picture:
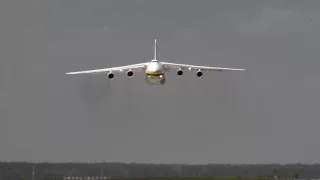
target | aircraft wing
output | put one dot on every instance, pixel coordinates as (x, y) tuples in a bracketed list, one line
[(134, 67), (170, 66)]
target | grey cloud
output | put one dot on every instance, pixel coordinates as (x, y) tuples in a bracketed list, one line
[(272, 21), (268, 114)]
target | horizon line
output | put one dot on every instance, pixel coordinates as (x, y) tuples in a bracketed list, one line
[(153, 163)]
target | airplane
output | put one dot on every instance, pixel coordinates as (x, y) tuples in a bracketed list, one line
[(155, 70)]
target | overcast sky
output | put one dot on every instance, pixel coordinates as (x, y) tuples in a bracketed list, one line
[(267, 114)]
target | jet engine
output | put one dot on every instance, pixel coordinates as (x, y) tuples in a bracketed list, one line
[(199, 74), (110, 75), (180, 72), (130, 73)]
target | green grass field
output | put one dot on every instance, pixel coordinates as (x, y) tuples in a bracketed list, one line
[(198, 178)]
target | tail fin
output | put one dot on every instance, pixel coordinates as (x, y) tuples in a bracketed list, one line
[(155, 49)]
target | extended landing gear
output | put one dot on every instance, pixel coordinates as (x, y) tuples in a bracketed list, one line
[(163, 81), (155, 79)]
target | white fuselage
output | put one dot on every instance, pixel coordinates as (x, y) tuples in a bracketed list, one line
[(155, 73)]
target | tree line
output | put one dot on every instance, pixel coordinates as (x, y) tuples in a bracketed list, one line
[(23, 170)]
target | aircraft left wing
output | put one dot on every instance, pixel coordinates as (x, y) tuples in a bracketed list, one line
[(169, 66), (134, 67)]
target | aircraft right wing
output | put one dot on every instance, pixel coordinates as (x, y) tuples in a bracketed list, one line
[(134, 68), (170, 66)]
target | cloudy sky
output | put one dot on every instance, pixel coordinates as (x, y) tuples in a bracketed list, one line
[(267, 114)]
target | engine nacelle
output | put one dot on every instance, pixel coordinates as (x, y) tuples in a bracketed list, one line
[(199, 74), (130, 73), (111, 75), (180, 72)]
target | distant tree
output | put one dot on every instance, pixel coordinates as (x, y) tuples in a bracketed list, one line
[(285, 175), (204, 172), (274, 172), (135, 170)]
